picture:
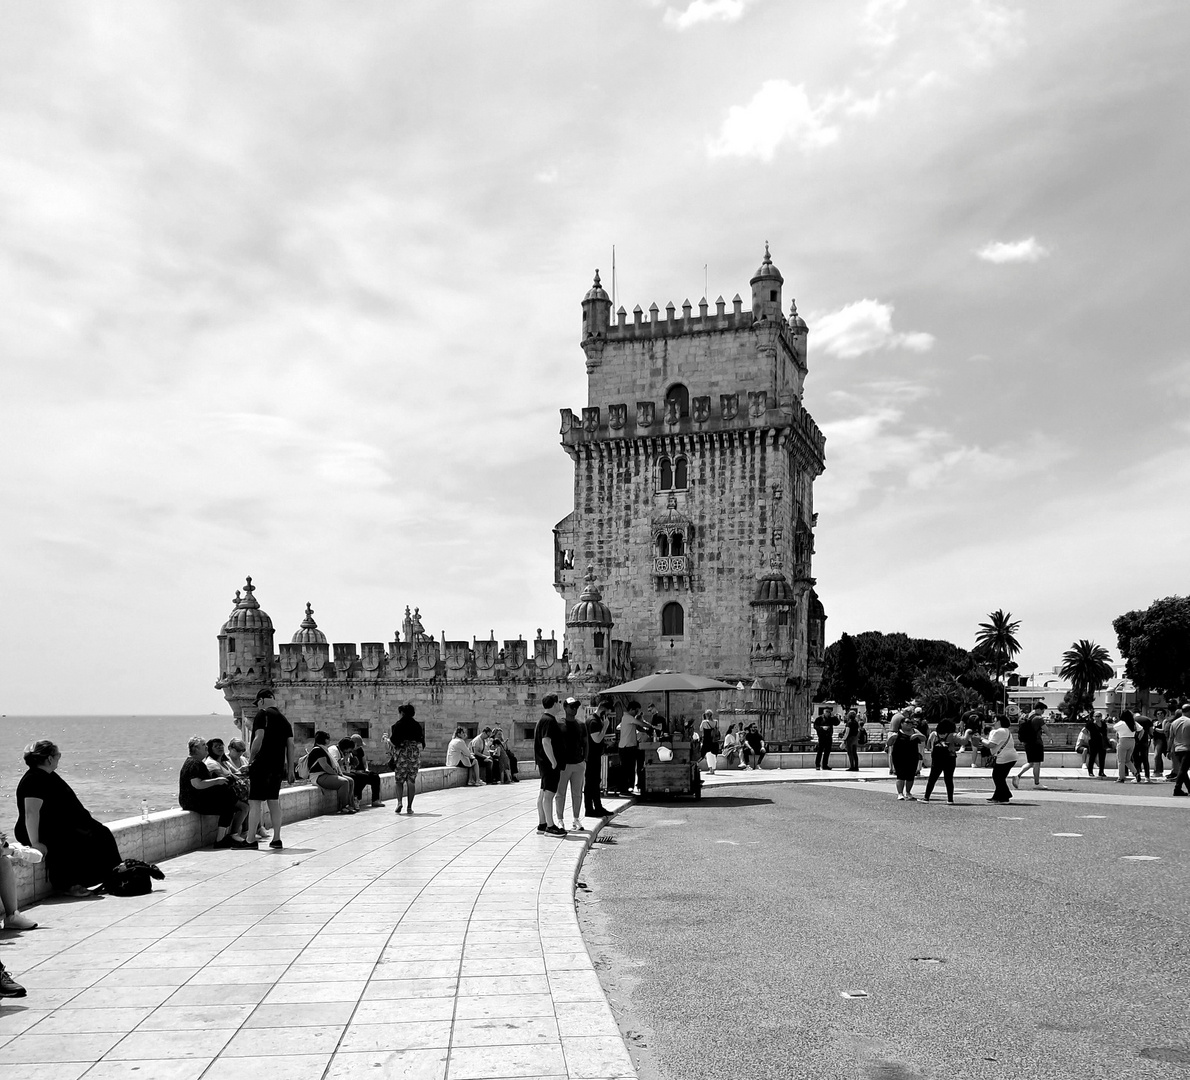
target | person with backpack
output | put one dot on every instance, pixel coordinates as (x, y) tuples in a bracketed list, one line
[(851, 739), (270, 760), (943, 745), (1029, 732)]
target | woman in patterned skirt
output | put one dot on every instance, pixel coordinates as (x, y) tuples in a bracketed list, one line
[(408, 739)]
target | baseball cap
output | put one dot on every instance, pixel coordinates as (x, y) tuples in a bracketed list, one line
[(571, 701)]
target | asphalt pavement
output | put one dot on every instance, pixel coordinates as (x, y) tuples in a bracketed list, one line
[(826, 930)]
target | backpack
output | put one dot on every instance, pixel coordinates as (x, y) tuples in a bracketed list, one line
[(302, 768), (131, 878)]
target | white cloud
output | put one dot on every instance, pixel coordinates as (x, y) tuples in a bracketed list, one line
[(701, 11), (547, 176), (880, 22), (863, 327), (1013, 251), (779, 111)]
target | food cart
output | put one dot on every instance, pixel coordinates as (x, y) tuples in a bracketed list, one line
[(679, 775)]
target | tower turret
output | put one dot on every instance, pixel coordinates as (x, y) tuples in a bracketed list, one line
[(245, 651), (774, 608), (766, 289), (589, 633), (597, 317)]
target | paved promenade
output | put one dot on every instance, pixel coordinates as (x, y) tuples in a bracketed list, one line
[(443, 945), (440, 946)]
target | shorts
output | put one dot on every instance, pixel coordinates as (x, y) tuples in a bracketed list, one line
[(262, 786), (549, 776), (1034, 752)]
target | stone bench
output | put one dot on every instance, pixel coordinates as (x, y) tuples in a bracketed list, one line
[(173, 832)]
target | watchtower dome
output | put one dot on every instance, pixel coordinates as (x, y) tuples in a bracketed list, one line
[(766, 290), (589, 632)]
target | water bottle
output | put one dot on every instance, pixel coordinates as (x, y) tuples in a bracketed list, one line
[(144, 809)]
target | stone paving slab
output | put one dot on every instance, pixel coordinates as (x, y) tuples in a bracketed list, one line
[(438, 946)]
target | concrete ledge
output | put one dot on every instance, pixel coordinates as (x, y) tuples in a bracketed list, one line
[(174, 832), (1058, 759)]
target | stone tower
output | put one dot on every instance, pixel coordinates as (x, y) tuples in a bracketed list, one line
[(694, 465), (245, 651)]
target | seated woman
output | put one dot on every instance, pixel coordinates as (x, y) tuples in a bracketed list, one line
[(202, 792), (327, 776), (79, 851), (501, 767), (238, 764), (353, 762), (731, 747)]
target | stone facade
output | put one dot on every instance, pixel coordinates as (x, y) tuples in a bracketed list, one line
[(694, 466)]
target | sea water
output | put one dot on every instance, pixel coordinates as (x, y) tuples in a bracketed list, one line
[(112, 762)]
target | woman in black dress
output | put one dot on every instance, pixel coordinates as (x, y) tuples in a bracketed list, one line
[(79, 851), (905, 755)]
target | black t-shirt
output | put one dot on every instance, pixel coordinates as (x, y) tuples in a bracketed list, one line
[(547, 728), (594, 726), (574, 742), (407, 730), (754, 740), (60, 806), (277, 733), (852, 726), (192, 769)]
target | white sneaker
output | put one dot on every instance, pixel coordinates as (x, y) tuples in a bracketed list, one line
[(575, 826), (17, 921), (23, 855)]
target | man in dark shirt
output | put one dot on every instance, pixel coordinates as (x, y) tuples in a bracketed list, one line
[(851, 740), (573, 760), (754, 748), (824, 728), (597, 729), (270, 762), (547, 743)]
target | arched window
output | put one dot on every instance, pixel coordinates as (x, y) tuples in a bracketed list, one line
[(663, 545), (681, 395), (667, 474), (677, 545), (598, 639), (673, 620), (680, 473)]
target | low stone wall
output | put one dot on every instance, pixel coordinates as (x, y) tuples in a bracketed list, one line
[(175, 832), (874, 760)]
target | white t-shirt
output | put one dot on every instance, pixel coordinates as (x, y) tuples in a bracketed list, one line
[(1123, 731), (1003, 748), (458, 753), (630, 730)]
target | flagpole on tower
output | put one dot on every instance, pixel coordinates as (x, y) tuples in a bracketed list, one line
[(613, 281)]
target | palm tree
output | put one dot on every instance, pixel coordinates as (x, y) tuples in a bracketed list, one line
[(996, 642), (1088, 667)]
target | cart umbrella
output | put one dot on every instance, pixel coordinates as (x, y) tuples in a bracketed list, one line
[(667, 682)]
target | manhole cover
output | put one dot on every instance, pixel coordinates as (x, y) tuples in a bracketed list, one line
[(1175, 1055)]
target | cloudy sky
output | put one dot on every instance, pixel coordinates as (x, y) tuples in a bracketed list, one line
[(292, 290)]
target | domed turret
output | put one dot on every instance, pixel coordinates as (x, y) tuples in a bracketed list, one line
[(773, 589), (590, 609), (597, 311), (247, 615), (766, 289), (308, 633), (796, 322)]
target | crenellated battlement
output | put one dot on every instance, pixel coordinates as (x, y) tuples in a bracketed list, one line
[(648, 419), (676, 322)]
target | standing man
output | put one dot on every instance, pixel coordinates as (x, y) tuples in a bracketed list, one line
[(851, 740), (708, 738), (574, 763), (824, 728), (597, 728), (1179, 739), (1029, 732), (547, 737), (629, 746), (270, 761)]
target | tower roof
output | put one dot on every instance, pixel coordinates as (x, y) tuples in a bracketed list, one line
[(773, 589), (247, 614), (795, 320), (308, 633), (590, 609), (767, 269), (596, 291)]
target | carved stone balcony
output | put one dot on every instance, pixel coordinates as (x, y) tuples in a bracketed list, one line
[(671, 565)]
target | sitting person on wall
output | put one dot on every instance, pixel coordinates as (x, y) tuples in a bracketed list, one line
[(203, 791), (79, 851), (219, 764), (238, 764), (731, 746), (13, 918), (482, 749), (326, 774), (361, 778), (459, 756), (406, 741), (501, 768), (357, 758), (753, 748)]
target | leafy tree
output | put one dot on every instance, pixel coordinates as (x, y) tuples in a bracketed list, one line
[(1155, 645), (1088, 667), (996, 643), (847, 672), (944, 695)]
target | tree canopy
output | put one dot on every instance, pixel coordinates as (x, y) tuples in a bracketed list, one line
[(1088, 667), (996, 643), (1155, 645), (888, 670)]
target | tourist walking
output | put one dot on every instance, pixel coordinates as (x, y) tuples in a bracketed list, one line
[(1030, 733), (203, 791), (851, 740), (1097, 747), (973, 737), (824, 729), (573, 759), (271, 760), (904, 755), (1125, 728), (597, 729), (708, 740), (547, 736), (1003, 754), (1140, 756), (407, 739), (1179, 740), (943, 745), (79, 851)]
